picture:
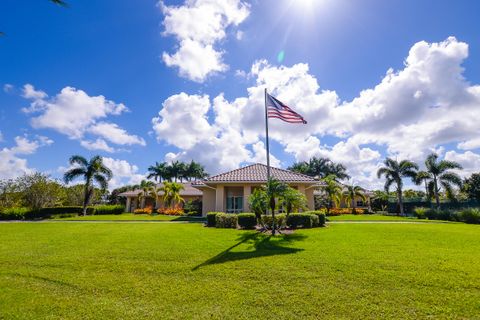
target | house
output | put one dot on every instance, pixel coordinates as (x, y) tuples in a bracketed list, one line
[(189, 193), (229, 191)]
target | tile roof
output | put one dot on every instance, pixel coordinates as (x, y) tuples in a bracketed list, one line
[(258, 173), (188, 191)]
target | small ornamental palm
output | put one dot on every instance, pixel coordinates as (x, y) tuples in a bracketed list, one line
[(333, 191), (172, 193), (394, 173), (91, 171), (258, 202), (144, 186), (351, 193), (293, 200), (275, 189), (440, 176)]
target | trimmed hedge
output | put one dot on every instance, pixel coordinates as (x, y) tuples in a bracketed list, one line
[(109, 209), (224, 220), (305, 220), (247, 220), (45, 213), (280, 220), (322, 219), (13, 213), (211, 220)]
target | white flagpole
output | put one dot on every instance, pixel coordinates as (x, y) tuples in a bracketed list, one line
[(267, 147)]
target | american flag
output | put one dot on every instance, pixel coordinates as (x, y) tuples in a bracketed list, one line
[(276, 109)]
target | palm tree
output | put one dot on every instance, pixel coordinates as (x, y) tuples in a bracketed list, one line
[(333, 191), (275, 189), (382, 197), (194, 170), (145, 187), (425, 177), (320, 168), (394, 172), (91, 171), (258, 202), (441, 176), (351, 193), (153, 192), (176, 170), (172, 193), (293, 200), (158, 171)]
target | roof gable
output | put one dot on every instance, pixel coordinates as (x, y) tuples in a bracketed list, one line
[(258, 173)]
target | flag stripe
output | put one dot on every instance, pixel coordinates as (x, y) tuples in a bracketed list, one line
[(276, 109)]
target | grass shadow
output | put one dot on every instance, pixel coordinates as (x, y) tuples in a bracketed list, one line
[(262, 245), (190, 219)]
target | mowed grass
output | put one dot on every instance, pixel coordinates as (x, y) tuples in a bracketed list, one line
[(370, 217), (131, 217), (183, 271)]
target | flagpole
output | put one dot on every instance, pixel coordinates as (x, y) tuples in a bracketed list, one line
[(267, 147)]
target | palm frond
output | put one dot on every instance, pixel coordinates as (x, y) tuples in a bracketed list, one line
[(73, 173), (445, 165), (101, 180), (78, 160), (451, 178)]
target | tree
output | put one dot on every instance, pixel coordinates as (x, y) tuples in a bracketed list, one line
[(333, 190), (424, 177), (351, 193), (194, 170), (275, 189), (158, 172), (171, 195), (176, 170), (74, 195), (144, 187), (441, 176), (471, 187), (153, 192), (91, 171), (320, 168), (258, 202), (39, 191), (380, 199), (293, 200), (394, 173)]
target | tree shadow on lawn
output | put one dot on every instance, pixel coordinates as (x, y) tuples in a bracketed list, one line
[(263, 246)]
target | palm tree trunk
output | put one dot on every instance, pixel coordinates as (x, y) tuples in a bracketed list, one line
[(400, 200), (272, 207), (437, 198), (88, 194)]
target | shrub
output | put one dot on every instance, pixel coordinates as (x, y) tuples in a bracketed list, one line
[(247, 220), (322, 219), (280, 220), (109, 209), (340, 211), (211, 222), (13, 213), (175, 211), (46, 213), (305, 220), (421, 212), (147, 210), (471, 216), (224, 220)]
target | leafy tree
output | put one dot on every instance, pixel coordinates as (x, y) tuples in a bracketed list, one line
[(320, 168), (471, 187), (171, 195), (39, 191), (275, 189), (333, 191), (10, 194), (394, 173), (351, 193), (91, 171), (74, 195), (293, 200), (153, 192), (258, 202), (440, 176)]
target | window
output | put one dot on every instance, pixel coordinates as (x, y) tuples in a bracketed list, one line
[(360, 203), (234, 204)]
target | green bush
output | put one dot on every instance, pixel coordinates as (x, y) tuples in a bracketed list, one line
[(247, 220), (471, 216), (280, 220), (13, 213), (211, 221), (109, 209), (224, 220), (421, 212), (322, 219), (305, 220)]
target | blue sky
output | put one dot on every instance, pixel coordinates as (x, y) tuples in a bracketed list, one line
[(203, 64)]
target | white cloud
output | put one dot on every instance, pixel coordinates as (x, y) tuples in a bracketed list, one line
[(98, 144), (12, 164), (123, 172), (199, 25), (410, 113), (469, 160), (75, 114)]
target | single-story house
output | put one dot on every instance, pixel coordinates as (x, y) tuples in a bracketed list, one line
[(133, 202), (229, 191)]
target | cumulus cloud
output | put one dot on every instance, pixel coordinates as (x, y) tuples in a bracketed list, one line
[(412, 111), (123, 172), (74, 113), (12, 160), (198, 26)]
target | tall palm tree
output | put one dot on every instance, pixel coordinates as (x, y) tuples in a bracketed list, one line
[(441, 176), (172, 193), (194, 170), (424, 177), (351, 193), (157, 171), (333, 191), (91, 171), (275, 189), (293, 200), (145, 187), (320, 168), (394, 173), (176, 170)]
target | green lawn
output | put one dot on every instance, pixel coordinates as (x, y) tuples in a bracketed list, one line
[(370, 217), (131, 217), (177, 271)]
